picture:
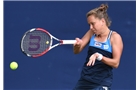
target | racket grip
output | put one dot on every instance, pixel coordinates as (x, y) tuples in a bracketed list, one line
[(69, 41)]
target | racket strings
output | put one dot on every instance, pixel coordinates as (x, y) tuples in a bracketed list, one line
[(36, 42)]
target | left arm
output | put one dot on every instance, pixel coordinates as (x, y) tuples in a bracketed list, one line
[(117, 48)]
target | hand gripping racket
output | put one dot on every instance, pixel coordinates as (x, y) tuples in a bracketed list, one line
[(38, 41)]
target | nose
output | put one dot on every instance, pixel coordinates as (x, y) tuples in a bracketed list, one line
[(91, 27)]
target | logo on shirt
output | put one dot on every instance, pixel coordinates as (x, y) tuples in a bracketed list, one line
[(97, 44), (106, 46)]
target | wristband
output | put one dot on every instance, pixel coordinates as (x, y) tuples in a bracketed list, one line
[(100, 57)]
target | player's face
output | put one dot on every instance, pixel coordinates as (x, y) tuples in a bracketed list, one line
[(95, 24)]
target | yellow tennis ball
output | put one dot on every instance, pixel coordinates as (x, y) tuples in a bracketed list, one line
[(47, 42), (13, 65)]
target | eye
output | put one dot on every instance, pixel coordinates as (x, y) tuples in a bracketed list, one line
[(92, 23)]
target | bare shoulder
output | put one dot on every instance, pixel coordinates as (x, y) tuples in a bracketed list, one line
[(88, 34), (116, 38)]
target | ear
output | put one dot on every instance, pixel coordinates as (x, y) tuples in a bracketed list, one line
[(103, 21)]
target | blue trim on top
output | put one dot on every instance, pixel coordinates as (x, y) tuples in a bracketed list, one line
[(102, 45)]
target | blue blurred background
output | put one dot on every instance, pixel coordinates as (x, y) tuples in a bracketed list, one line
[(60, 68)]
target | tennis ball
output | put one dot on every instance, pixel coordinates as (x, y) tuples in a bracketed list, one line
[(47, 42), (13, 65)]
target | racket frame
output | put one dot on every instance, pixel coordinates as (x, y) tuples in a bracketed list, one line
[(60, 42)]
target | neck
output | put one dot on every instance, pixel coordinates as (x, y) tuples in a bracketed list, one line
[(104, 32)]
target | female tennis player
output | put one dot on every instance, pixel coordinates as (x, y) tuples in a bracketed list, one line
[(104, 52)]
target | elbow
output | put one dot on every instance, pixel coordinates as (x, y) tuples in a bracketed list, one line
[(116, 65)]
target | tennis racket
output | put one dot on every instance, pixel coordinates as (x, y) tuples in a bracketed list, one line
[(38, 41)]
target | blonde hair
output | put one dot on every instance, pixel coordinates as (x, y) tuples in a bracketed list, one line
[(100, 12)]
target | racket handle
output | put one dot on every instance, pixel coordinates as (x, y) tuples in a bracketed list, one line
[(69, 41)]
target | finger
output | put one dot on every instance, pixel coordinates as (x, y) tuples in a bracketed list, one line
[(93, 62), (77, 42), (89, 63), (77, 39)]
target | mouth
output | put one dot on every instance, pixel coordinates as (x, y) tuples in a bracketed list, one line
[(94, 31)]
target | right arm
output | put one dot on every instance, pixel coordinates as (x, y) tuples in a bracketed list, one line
[(81, 43)]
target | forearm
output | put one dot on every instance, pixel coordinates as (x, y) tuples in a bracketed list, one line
[(81, 43), (111, 62)]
